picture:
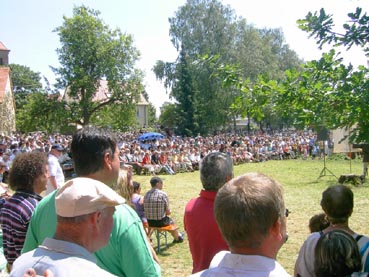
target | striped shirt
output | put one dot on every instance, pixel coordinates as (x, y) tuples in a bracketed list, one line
[(14, 219), (156, 204)]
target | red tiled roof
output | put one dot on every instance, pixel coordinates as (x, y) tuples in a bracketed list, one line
[(2, 47), (4, 77)]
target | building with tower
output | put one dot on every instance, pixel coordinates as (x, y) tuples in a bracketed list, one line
[(7, 104)]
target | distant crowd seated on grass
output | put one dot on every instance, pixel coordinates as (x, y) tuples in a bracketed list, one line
[(175, 154)]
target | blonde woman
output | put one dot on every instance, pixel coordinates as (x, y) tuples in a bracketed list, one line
[(124, 185)]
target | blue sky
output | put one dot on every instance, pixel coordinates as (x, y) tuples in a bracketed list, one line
[(27, 28)]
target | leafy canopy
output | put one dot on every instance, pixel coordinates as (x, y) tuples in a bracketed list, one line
[(91, 52)]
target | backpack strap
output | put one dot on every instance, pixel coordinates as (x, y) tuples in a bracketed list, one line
[(362, 252)]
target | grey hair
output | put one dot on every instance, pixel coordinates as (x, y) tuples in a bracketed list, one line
[(215, 170)]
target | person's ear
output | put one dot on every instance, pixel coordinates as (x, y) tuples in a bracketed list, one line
[(350, 213), (276, 230), (96, 219), (108, 160)]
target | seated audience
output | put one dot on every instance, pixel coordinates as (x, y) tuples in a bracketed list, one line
[(95, 155), (336, 254), (204, 237), (28, 178), (124, 185), (163, 160), (337, 203), (318, 222), (157, 209), (84, 209), (254, 230), (147, 163), (138, 201)]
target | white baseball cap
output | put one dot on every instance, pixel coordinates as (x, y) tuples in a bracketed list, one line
[(81, 196)]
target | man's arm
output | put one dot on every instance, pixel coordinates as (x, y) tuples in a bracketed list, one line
[(53, 182), (42, 224), (167, 209)]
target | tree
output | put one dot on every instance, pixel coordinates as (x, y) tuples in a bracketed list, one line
[(184, 92), (25, 81), (168, 115), (206, 28), (90, 52), (200, 27), (152, 115), (333, 92), (41, 112), (118, 116)]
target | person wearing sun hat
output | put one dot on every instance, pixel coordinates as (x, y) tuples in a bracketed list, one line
[(84, 209)]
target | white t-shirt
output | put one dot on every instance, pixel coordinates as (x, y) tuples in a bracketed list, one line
[(227, 264), (305, 261), (56, 171)]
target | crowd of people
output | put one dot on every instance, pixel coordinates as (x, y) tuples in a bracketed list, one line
[(72, 230), (174, 154)]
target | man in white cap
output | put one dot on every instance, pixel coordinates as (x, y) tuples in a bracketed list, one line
[(96, 155), (85, 209), (56, 174)]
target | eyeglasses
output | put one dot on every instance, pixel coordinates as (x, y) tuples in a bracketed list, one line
[(287, 212)]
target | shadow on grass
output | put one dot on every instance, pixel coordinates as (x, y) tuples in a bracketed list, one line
[(164, 249)]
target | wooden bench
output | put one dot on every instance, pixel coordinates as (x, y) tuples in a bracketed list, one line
[(161, 232)]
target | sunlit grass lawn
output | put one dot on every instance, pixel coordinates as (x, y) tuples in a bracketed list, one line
[(302, 189)]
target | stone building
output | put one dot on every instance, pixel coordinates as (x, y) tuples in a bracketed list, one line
[(7, 104)]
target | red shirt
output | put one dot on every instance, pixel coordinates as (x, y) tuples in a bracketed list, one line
[(202, 230), (146, 160)]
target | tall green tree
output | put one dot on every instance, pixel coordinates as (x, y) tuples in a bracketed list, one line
[(25, 81), (206, 28), (90, 52), (41, 112), (168, 115), (184, 91), (200, 27), (332, 93)]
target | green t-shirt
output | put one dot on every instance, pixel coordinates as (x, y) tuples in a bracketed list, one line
[(128, 252)]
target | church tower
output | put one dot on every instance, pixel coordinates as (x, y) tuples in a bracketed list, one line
[(4, 55)]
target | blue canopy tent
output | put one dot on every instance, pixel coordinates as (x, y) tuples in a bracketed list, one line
[(150, 136)]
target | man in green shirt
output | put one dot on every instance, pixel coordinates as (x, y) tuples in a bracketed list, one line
[(96, 155)]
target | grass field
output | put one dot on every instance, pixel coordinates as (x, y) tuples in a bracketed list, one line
[(302, 189)]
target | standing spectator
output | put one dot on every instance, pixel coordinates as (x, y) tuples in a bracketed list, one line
[(203, 233), (157, 209), (254, 230), (56, 178), (84, 209), (337, 203), (96, 155), (28, 177)]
